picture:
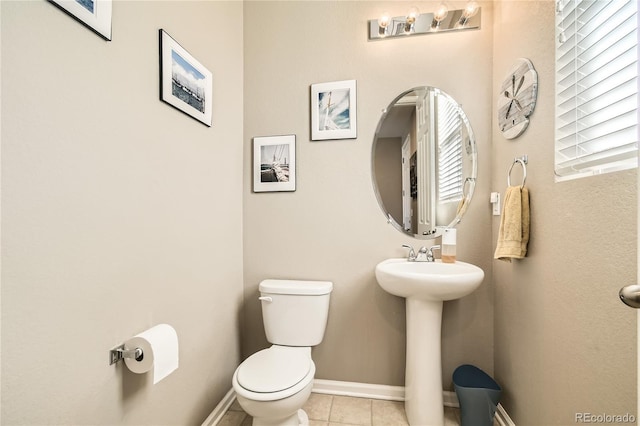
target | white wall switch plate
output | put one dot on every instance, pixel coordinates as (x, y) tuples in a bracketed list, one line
[(495, 200)]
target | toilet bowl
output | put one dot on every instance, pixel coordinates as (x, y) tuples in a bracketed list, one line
[(273, 384)]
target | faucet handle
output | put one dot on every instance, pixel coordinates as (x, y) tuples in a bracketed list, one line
[(430, 257), (412, 253)]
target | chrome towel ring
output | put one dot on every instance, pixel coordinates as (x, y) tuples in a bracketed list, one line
[(523, 162)]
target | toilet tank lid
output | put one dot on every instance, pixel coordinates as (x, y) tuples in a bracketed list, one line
[(296, 287)]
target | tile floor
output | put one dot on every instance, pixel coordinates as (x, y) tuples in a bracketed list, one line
[(333, 410)]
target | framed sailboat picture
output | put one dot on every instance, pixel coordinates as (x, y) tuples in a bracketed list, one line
[(274, 163), (333, 110), (185, 83)]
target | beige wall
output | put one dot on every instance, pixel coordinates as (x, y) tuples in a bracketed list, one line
[(331, 227), (563, 341), (114, 217), (118, 213)]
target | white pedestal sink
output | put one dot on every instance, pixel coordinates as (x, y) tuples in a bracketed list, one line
[(426, 285)]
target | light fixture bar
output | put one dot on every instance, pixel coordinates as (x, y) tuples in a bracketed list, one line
[(424, 24)]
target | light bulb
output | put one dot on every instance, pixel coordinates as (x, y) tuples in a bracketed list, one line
[(440, 13), (438, 16), (383, 23), (412, 15), (384, 20), (470, 10)]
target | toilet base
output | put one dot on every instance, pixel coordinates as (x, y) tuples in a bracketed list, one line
[(303, 419), (296, 419)]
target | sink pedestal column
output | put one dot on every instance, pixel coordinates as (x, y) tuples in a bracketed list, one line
[(423, 378)]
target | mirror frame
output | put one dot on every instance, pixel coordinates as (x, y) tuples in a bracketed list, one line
[(468, 186)]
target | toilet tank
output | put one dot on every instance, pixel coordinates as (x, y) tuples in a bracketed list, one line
[(295, 312)]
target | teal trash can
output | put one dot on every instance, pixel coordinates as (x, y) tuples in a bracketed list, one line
[(478, 395)]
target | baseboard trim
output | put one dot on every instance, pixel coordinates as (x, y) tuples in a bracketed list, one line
[(358, 390), (369, 390), (502, 417), (216, 415)]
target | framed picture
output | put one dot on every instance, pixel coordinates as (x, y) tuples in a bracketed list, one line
[(274, 163), (95, 14), (333, 110), (184, 82)]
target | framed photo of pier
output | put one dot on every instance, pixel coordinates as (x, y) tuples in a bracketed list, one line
[(184, 82), (274, 163), (95, 14), (333, 110)]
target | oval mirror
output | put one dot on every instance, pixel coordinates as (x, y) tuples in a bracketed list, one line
[(424, 162)]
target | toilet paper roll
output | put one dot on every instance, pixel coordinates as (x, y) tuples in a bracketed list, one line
[(159, 346)]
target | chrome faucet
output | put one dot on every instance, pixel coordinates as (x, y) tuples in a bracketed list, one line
[(424, 254)]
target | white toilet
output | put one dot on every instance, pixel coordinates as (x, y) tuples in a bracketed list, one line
[(273, 384)]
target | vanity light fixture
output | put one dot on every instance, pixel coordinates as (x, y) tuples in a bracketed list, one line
[(414, 22)]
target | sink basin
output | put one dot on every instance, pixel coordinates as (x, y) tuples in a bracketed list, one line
[(435, 281), (426, 285)]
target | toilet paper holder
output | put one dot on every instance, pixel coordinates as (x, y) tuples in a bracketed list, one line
[(118, 353)]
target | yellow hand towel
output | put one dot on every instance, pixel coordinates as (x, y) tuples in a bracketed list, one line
[(513, 235)]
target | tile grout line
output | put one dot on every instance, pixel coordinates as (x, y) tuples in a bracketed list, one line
[(330, 409)]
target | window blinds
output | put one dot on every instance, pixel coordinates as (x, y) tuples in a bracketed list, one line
[(596, 87), (449, 151)]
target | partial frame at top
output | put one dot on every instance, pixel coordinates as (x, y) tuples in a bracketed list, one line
[(94, 14)]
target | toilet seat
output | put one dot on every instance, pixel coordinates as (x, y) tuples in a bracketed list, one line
[(274, 369), (274, 373)]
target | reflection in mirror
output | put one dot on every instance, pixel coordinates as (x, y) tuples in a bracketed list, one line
[(424, 162)]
